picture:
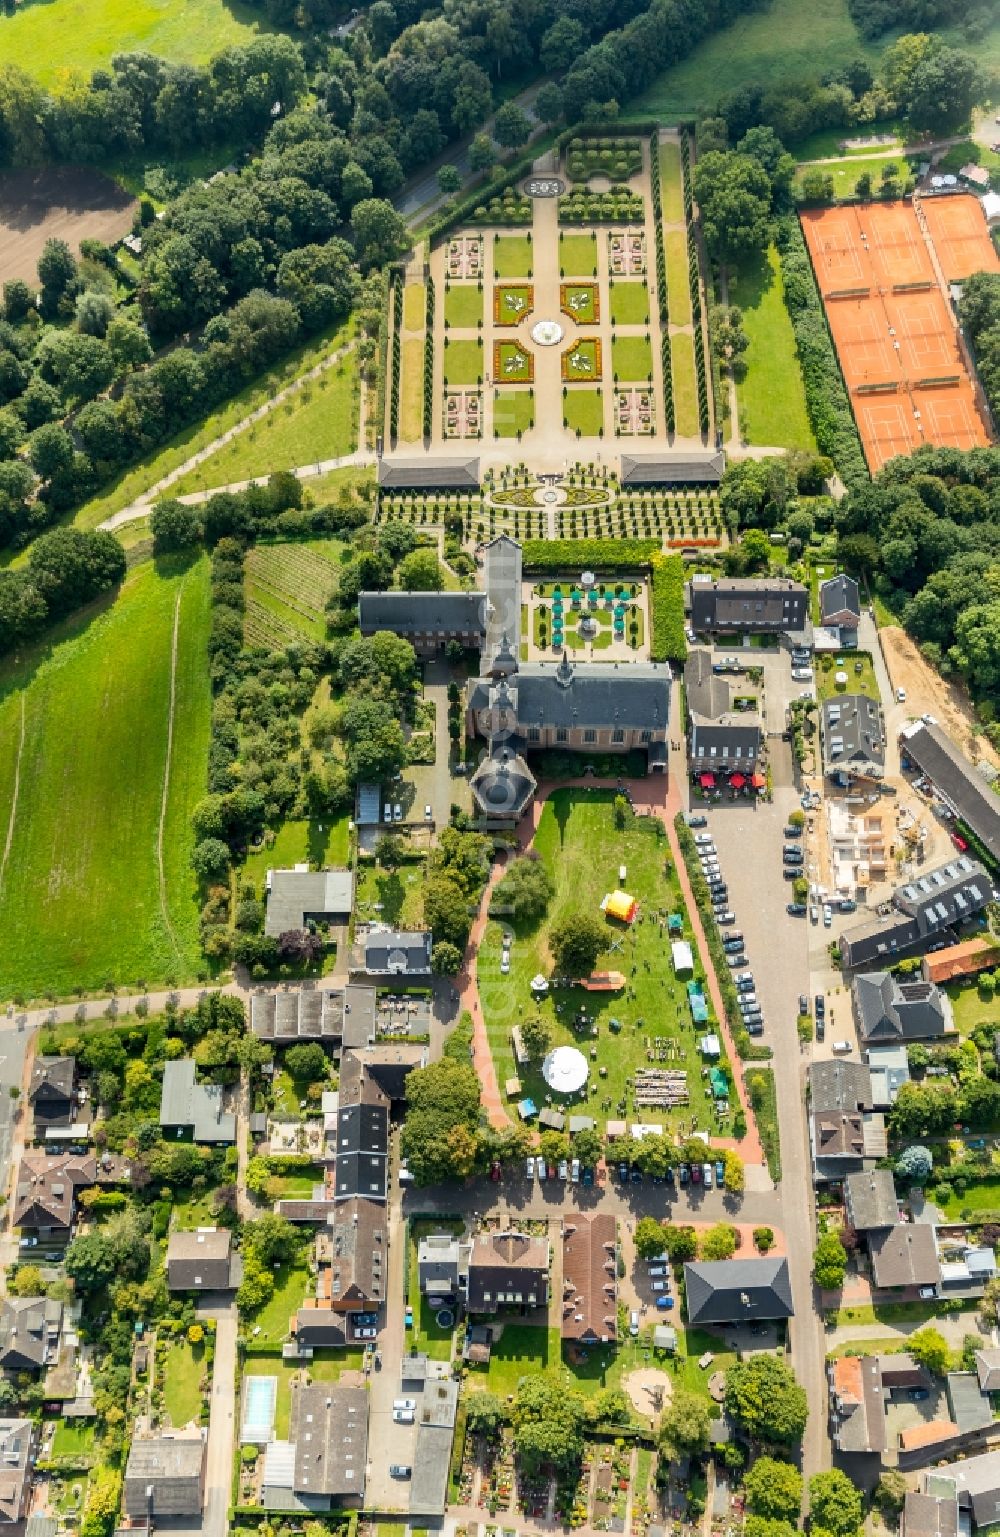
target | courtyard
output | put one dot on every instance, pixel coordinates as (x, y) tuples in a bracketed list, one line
[(608, 618)]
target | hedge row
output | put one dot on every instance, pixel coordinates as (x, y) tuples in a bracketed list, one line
[(397, 326), (661, 281), (827, 400), (429, 362), (686, 176), (542, 555), (666, 602), (581, 207)]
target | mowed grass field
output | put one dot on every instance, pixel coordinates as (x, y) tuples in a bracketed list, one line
[(318, 422), (52, 40), (411, 390), (772, 400), (685, 383), (80, 898)]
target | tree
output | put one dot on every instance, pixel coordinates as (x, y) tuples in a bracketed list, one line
[(890, 1491), (26, 1282), (210, 861), (536, 1033), (944, 88), (684, 1425), (755, 548), (575, 942), (174, 526), (650, 1239), (449, 179), (18, 299), (90, 1261), (561, 45), (440, 1135), (549, 1421), (774, 1489), (829, 1262), (482, 155), (51, 451), (421, 571), (763, 1396), (378, 757), (94, 311), (525, 891), (588, 1147), (389, 850), (307, 1062), (128, 343), (735, 1175), (56, 271), (835, 1504), (272, 1239), (931, 1349), (734, 195), (681, 1242), (195, 1334), (550, 103), (915, 1164), (446, 910), (379, 232), (719, 1242), (485, 1415), (511, 126), (446, 959), (763, 1238)]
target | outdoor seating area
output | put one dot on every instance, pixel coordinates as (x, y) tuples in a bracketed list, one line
[(627, 253), (634, 413), (402, 1016), (659, 1086), (464, 256), (463, 414)]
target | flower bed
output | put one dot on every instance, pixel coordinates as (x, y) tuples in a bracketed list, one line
[(512, 364), (512, 303), (581, 363), (581, 302)]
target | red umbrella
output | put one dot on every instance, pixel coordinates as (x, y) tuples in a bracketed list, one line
[(758, 781), (737, 781), (707, 781)]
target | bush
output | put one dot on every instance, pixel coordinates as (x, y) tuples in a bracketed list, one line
[(545, 555), (667, 642)]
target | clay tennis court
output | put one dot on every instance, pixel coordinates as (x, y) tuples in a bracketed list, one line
[(960, 235), (893, 329)]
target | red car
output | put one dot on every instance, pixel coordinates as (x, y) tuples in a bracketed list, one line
[(495, 1173), (959, 843)]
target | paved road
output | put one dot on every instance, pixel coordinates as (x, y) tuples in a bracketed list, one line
[(221, 1426), (387, 1442), (17, 1048)]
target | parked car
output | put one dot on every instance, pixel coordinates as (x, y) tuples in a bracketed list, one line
[(827, 915), (684, 1173), (706, 1175), (791, 855), (428, 814), (623, 1173), (633, 1325), (403, 1416), (819, 1004), (813, 913), (541, 1169), (664, 1303), (847, 905), (724, 917), (563, 1168), (744, 984), (397, 812), (637, 1176), (587, 1175), (927, 1292), (749, 1004), (404, 1403), (792, 831), (695, 819), (803, 1004), (736, 961), (754, 1026), (791, 872), (408, 1317), (574, 1171), (400, 1470), (720, 1173), (901, 695), (365, 1334), (696, 1174), (732, 946), (843, 1048), (703, 840), (802, 675), (529, 1168), (495, 1171), (796, 909), (657, 1272)]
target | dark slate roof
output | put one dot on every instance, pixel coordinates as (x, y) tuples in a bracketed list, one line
[(330, 1435), (390, 1063), (961, 785), (839, 595), (737, 1290), (362, 1129), (924, 1515), (391, 952), (871, 1200), (164, 1476), (708, 693), (507, 1268), (904, 1255), (200, 1260), (503, 784), (632, 695), (970, 1407), (317, 1328), (853, 734), (195, 1106), (681, 469), (402, 474), (362, 1174), (948, 895), (52, 1079), (839, 1085), (29, 1331), (502, 570), (295, 896), (890, 1009), (748, 602), (359, 1248), (422, 613)]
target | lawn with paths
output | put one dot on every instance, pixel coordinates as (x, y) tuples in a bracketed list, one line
[(861, 681), (463, 305), (583, 412), (685, 384), (182, 1373), (582, 850), (463, 362), (512, 256), (513, 412), (64, 37), (411, 390), (631, 359), (578, 256), (80, 900), (629, 304), (772, 399), (287, 587), (671, 183), (678, 277)]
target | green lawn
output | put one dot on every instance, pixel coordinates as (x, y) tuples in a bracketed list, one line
[(846, 172), (522, 373), (272, 1319), (73, 1438), (287, 587), (629, 304), (513, 412), (578, 256), (414, 307), (427, 1335), (671, 184), (771, 396), (521, 1351), (182, 1373), (463, 304), (134, 482), (883, 1313), (826, 143), (969, 1008), (329, 1365), (511, 303), (398, 892), (193, 1212), (315, 843), (463, 362), (765, 1105), (274, 1366), (52, 41), (981, 1198), (582, 850), (512, 256), (789, 40), (863, 682), (580, 303), (584, 411), (411, 390), (675, 247), (80, 901), (320, 421), (631, 359), (685, 383), (581, 362)]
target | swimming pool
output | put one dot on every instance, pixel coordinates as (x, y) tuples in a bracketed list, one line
[(260, 1397)]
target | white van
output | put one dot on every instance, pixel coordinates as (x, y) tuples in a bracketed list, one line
[(843, 1048), (633, 1325), (574, 1172)]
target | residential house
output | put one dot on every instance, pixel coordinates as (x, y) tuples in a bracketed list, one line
[(857, 1404), (590, 1284), (970, 1408), (390, 1063), (962, 786), (748, 605), (50, 1093), (507, 1270), (904, 1255), (962, 960), (926, 909), (433, 1446), (358, 1249), (890, 1069), (859, 843), (384, 952), (30, 1333), (720, 737), (203, 1260), (925, 1515), (976, 1482), (362, 1137), (324, 1460), (300, 897), (18, 1445), (891, 1008), (165, 1477), (342, 1016), (45, 1191), (840, 607), (988, 1370), (734, 1291), (846, 1135), (189, 1106), (870, 1200), (852, 733), (442, 1267), (965, 1266), (428, 620)]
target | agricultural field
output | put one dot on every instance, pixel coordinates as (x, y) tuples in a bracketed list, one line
[(772, 402), (53, 40), (287, 587), (60, 203), (319, 421), (81, 903)]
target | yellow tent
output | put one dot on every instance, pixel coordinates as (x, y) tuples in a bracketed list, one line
[(618, 904)]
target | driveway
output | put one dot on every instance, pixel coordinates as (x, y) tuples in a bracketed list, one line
[(388, 1442), (221, 1426), (434, 784)]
